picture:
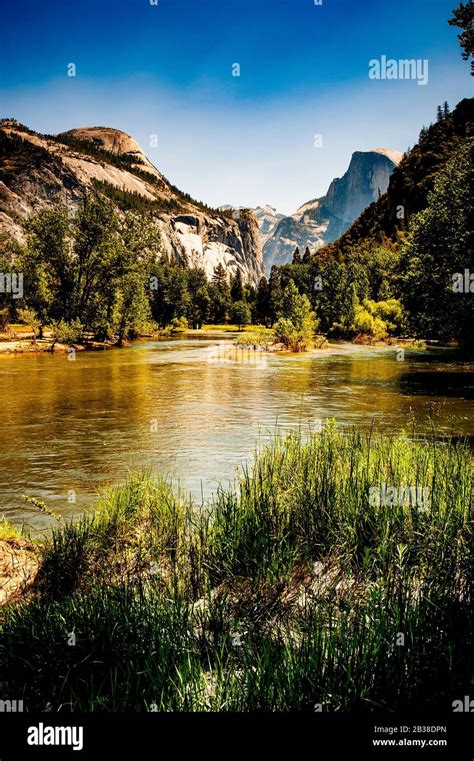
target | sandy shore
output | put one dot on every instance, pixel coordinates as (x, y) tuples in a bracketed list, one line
[(31, 347)]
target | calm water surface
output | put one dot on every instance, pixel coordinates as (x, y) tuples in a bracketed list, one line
[(193, 409)]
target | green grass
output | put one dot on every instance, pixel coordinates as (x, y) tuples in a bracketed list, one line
[(291, 591), (256, 337), (228, 328), (10, 531)]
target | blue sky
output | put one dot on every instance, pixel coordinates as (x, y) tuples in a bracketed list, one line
[(166, 70)]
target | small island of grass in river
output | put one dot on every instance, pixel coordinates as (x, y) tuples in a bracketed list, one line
[(336, 576)]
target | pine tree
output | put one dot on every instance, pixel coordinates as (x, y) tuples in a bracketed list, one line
[(297, 256), (307, 255), (262, 306), (237, 286), (220, 294), (275, 293), (463, 18), (219, 278), (241, 314), (199, 300), (438, 251)]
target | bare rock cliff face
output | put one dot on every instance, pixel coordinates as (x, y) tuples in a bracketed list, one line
[(366, 178), (198, 240), (323, 220), (268, 218), (37, 171)]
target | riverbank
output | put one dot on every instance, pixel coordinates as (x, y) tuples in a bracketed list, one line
[(335, 576), (22, 342), (34, 347)]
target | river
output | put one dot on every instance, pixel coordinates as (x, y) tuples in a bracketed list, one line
[(194, 409)]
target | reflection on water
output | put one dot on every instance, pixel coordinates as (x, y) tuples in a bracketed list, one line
[(70, 427)]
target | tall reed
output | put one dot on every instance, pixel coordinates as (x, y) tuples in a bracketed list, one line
[(297, 590)]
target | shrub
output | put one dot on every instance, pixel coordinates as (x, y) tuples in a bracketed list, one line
[(4, 318), (296, 323), (262, 337), (67, 332), (391, 312), (179, 324), (367, 324), (29, 317), (378, 319)]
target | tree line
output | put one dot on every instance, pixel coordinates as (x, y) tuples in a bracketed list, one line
[(102, 273)]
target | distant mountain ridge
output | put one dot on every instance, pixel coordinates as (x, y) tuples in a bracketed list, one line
[(268, 218), (323, 220)]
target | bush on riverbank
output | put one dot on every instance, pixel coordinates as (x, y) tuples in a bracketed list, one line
[(305, 586)]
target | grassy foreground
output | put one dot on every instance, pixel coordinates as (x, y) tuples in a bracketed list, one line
[(295, 591)]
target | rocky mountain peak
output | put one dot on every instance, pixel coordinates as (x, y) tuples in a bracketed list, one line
[(391, 153), (114, 141), (323, 220)]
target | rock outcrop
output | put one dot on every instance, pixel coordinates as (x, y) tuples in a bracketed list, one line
[(19, 564), (200, 240)]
